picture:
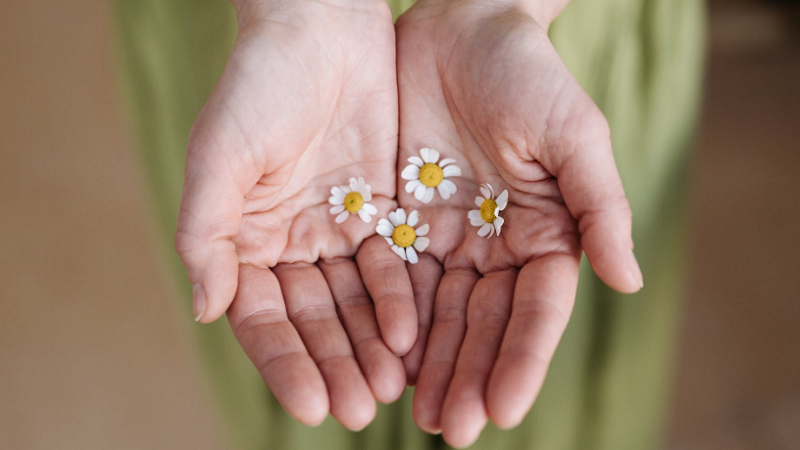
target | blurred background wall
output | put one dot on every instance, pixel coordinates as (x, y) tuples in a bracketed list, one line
[(93, 353)]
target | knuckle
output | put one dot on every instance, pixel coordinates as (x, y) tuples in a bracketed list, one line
[(594, 130), (450, 314), (184, 244)]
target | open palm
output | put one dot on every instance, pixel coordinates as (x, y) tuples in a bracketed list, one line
[(484, 86), (307, 101)]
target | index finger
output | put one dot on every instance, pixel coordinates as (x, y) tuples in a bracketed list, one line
[(543, 300), (260, 323)]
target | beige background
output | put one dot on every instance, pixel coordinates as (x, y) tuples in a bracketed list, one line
[(92, 350)]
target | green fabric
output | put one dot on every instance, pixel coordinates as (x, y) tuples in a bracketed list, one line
[(640, 60)]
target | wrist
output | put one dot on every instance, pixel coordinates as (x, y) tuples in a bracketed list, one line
[(249, 10), (543, 11)]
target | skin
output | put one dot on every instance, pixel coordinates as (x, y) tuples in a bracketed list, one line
[(308, 99), (481, 83)]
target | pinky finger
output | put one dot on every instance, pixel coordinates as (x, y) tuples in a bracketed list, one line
[(386, 279)]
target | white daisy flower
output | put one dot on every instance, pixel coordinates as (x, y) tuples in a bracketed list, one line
[(352, 199), (401, 235), (424, 174), (488, 216)]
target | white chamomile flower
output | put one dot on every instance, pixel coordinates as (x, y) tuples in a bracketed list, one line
[(424, 174), (352, 199), (488, 216), (400, 233)]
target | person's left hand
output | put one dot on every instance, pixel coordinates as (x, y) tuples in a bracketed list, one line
[(484, 86)]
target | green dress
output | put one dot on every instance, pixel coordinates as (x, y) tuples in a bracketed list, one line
[(608, 385)]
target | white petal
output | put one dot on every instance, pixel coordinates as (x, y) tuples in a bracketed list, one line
[(498, 223), (413, 218), (354, 185), (502, 200), (428, 195), (419, 192), (342, 217), (361, 184), (421, 244), (411, 172), (415, 160), (384, 228), (423, 230), (335, 201), (411, 254), (485, 192), (447, 188), (369, 208), (413, 184), (443, 191), (451, 171), (337, 209), (398, 217), (364, 216), (425, 153), (389, 241), (479, 201), (485, 229), (402, 214), (337, 193), (345, 189), (367, 196), (400, 251), (475, 218), (433, 156), (446, 161)]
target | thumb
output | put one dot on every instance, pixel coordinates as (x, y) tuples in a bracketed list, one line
[(210, 215), (592, 190)]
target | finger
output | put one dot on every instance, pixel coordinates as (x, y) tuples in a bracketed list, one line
[(311, 310), (447, 332), (383, 370), (386, 278), (425, 277), (259, 321), (209, 218), (464, 409), (543, 300), (592, 189)]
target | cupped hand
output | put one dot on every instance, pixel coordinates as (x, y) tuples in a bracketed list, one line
[(307, 101), (481, 83)]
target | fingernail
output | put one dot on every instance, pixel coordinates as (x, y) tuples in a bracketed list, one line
[(199, 301), (636, 272)]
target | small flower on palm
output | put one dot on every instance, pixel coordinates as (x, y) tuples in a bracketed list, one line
[(352, 199)]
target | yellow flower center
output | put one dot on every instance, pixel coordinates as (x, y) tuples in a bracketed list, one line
[(404, 236), (487, 210), (431, 175), (353, 202)]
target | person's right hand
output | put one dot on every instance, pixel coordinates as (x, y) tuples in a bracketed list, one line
[(308, 99)]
